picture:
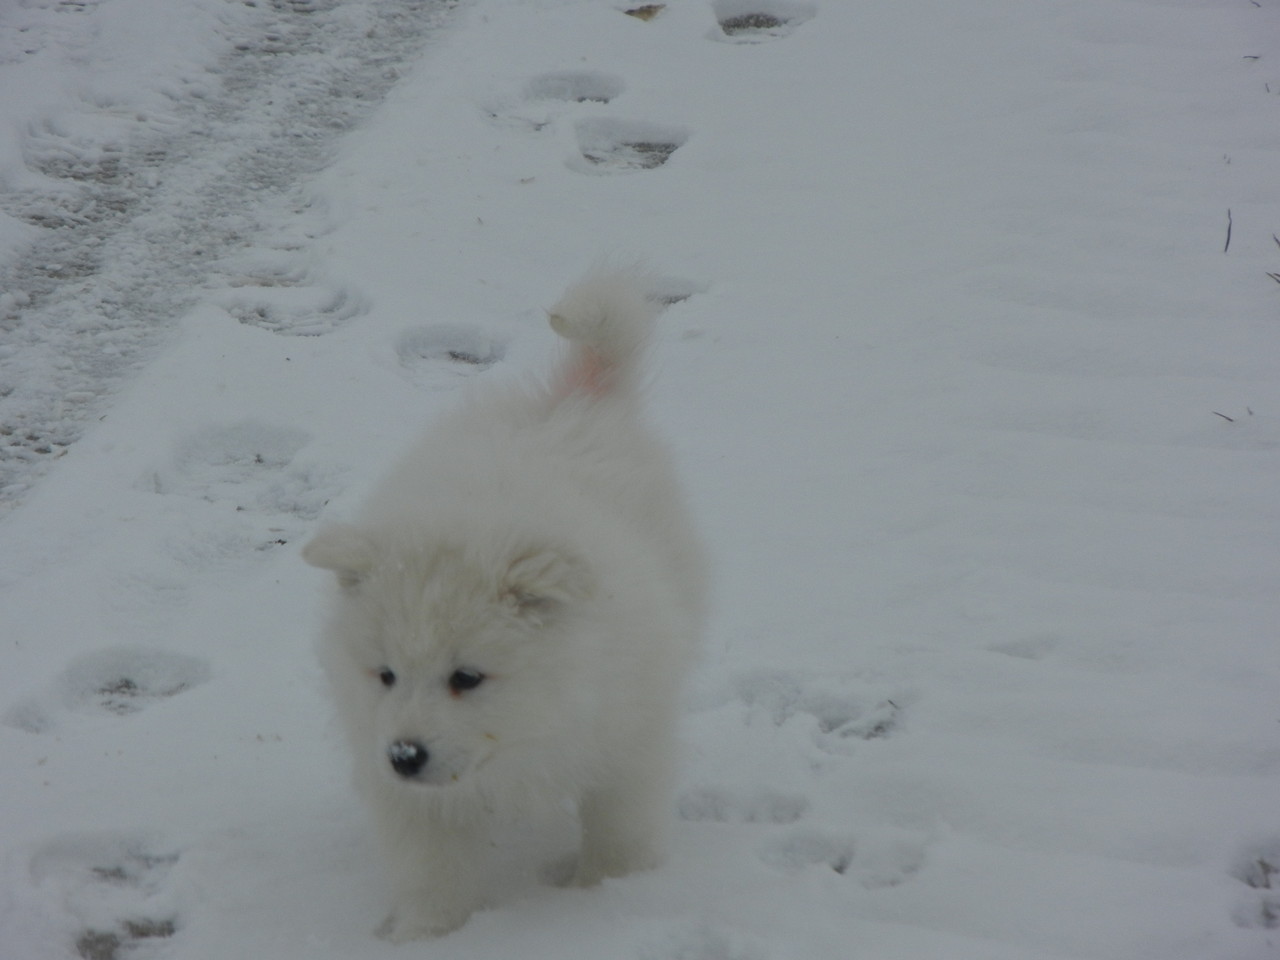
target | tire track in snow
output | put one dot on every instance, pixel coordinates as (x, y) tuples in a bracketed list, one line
[(133, 230)]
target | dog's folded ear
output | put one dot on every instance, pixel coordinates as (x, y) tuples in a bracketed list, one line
[(541, 578), (345, 550)]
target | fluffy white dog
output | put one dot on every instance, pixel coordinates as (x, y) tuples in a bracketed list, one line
[(517, 605)]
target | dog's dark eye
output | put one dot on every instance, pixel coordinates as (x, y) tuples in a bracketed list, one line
[(461, 680), (387, 676)]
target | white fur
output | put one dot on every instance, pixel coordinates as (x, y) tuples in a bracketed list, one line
[(536, 536)]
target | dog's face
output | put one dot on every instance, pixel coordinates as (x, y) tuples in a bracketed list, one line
[(448, 662)]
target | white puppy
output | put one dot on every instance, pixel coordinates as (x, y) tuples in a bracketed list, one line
[(517, 605)]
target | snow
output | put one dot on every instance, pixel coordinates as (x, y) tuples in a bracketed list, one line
[(981, 421)]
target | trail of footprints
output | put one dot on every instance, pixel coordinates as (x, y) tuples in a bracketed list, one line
[(253, 464), (836, 715), (836, 718), (272, 288), (263, 497), (608, 145), (117, 885), (1256, 869)]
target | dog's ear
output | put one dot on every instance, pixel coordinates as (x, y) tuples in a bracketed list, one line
[(542, 578), (343, 549)]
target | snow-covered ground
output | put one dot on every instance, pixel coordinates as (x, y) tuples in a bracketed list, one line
[(973, 367)]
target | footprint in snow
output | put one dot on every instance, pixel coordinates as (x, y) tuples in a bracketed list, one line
[(810, 847), (610, 145), (264, 493), (874, 863), (838, 714), (1259, 869), (667, 291), (605, 144), (272, 285), (452, 348), (756, 21), (115, 891), (290, 310), (116, 681), (249, 463)]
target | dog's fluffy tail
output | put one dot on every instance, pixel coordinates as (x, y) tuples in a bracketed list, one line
[(608, 321)]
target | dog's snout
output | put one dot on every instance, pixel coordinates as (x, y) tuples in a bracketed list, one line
[(407, 757)]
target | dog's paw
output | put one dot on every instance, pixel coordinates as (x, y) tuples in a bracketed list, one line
[(597, 864)]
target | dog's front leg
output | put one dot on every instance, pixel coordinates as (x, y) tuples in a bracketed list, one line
[(622, 830), (435, 869)]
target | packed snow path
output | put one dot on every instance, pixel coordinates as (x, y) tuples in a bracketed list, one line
[(140, 208)]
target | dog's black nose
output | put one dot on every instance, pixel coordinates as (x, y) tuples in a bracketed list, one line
[(407, 757)]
